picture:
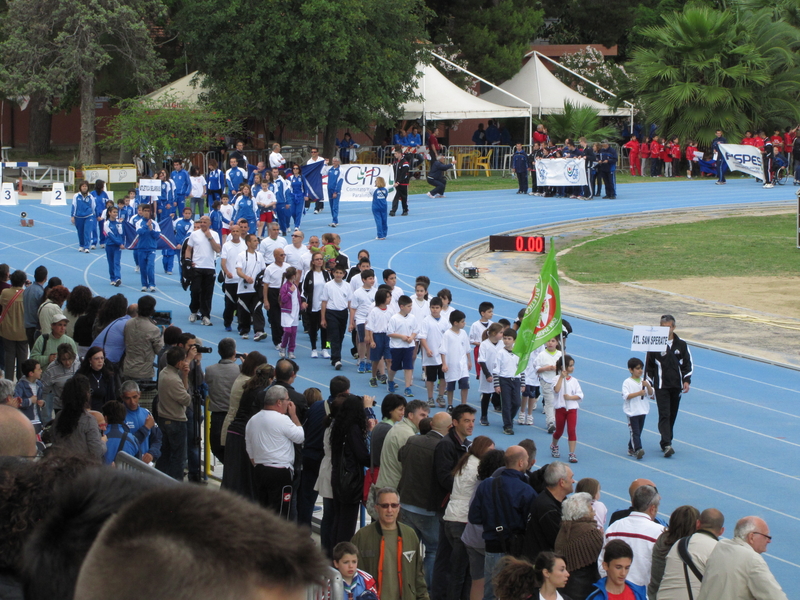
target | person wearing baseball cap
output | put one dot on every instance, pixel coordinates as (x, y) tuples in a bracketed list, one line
[(45, 348)]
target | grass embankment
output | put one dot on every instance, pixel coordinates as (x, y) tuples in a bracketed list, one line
[(730, 247)]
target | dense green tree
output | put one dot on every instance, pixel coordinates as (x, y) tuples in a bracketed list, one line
[(52, 45), (492, 36), (311, 64), (705, 69), (588, 21)]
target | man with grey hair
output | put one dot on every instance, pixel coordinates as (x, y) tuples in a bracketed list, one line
[(670, 372), (545, 519), (220, 378), (736, 570), (640, 531), (17, 436), (683, 565), (141, 423), (269, 438)]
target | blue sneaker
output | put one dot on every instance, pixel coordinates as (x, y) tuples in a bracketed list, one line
[(408, 393), (392, 387), (361, 368), (228, 328)]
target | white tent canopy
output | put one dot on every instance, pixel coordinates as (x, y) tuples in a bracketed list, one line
[(442, 99), (546, 93), (183, 91)]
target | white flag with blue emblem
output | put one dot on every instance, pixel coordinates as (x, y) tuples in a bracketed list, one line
[(743, 158), (561, 171)]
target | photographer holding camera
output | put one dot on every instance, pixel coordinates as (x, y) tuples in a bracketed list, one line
[(143, 341)]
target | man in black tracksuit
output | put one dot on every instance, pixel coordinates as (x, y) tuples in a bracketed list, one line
[(402, 174), (670, 372)]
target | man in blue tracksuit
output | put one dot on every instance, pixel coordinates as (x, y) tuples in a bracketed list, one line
[(283, 199), (606, 163), (148, 233), (519, 162), (721, 164), (234, 177), (334, 189), (183, 228), (183, 186), (115, 242)]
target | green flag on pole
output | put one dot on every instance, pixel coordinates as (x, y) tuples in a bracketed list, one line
[(542, 319)]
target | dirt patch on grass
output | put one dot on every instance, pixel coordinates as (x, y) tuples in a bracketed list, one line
[(756, 316)]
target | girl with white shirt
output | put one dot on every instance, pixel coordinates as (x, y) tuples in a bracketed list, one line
[(568, 395), (314, 281), (518, 579), (198, 190)]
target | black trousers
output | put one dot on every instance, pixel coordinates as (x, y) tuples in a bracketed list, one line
[(231, 301), (608, 181), (668, 401), (314, 319), (337, 327), (522, 179), (274, 314), (217, 449), (307, 495), (401, 196), (202, 292), (250, 312), (273, 488)]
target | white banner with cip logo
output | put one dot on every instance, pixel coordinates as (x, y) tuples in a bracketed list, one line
[(358, 183), (746, 159), (561, 171)]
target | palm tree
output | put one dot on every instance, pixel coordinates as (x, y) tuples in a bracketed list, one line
[(706, 70), (577, 121)]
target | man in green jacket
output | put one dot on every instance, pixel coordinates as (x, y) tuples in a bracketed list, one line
[(390, 552)]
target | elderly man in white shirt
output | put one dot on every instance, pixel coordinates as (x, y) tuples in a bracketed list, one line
[(297, 254), (271, 242), (202, 249), (273, 280), (269, 438)]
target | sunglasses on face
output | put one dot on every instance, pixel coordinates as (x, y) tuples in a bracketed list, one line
[(386, 505)]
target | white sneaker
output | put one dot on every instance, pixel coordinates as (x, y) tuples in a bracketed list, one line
[(192, 318), (281, 352), (326, 354), (316, 212), (291, 355), (153, 288), (206, 321), (144, 288), (245, 336), (529, 419), (768, 185), (313, 354), (521, 418), (92, 246), (86, 251), (135, 269)]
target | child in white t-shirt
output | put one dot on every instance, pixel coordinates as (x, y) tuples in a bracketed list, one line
[(402, 333), (568, 395), (476, 330), (430, 336), (375, 333), (456, 359), (530, 392), (546, 370), (492, 336), (363, 301), (636, 392)]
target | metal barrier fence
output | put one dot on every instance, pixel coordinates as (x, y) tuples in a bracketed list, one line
[(131, 464), (332, 590)]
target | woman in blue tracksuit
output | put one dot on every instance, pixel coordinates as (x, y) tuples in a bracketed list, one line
[(344, 148), (166, 204), (148, 233), (115, 242), (299, 196), (283, 206), (244, 207), (82, 216), (99, 197), (334, 190)]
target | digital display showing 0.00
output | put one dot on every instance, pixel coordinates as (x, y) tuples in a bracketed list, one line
[(516, 243)]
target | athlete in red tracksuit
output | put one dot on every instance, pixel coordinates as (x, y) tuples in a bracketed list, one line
[(633, 155)]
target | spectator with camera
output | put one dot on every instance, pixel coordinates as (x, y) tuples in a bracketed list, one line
[(173, 398), (142, 342)]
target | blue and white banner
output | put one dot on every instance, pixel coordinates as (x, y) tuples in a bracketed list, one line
[(165, 242), (312, 178), (561, 171), (358, 183), (746, 159)]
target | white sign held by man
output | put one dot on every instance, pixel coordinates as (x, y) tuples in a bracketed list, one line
[(746, 159), (561, 171), (358, 182), (150, 187), (649, 338)]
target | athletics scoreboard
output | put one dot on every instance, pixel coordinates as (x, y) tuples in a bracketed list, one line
[(517, 243)]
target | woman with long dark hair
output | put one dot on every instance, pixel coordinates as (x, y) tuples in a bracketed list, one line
[(84, 333), (517, 579), (77, 303), (112, 309), (349, 456), (238, 473), (101, 378), (75, 431), (313, 282), (323, 485)]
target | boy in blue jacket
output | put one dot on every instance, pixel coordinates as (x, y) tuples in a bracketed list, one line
[(519, 162), (235, 177), (617, 561), (334, 191), (183, 186), (115, 243), (119, 437), (148, 233), (29, 391), (183, 229)]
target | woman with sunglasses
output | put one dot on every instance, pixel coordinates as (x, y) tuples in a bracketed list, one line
[(299, 196)]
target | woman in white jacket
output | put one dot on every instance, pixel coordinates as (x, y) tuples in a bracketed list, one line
[(465, 480)]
